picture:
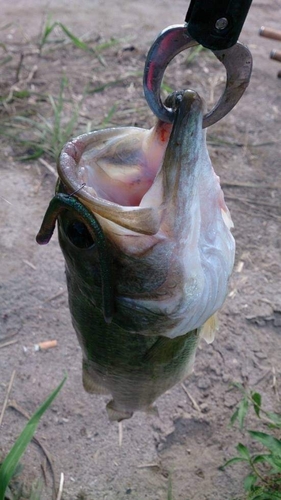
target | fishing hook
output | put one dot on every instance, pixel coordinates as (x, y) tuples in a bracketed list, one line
[(78, 189)]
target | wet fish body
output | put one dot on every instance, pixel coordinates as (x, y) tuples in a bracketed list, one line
[(159, 207)]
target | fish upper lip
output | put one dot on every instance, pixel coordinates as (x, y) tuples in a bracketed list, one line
[(141, 220), (137, 219)]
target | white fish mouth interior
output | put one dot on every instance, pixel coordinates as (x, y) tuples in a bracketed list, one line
[(123, 169)]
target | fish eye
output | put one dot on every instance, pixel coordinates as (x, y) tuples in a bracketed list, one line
[(79, 235)]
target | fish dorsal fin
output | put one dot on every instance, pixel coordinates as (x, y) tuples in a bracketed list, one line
[(208, 330)]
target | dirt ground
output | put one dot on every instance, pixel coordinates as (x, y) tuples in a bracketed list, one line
[(186, 443)]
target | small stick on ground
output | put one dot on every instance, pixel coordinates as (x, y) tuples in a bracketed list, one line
[(250, 185), (44, 469), (7, 201), (48, 167), (7, 396), (54, 296), (120, 433), (253, 202), (60, 486), (274, 383), (266, 374), (19, 66), (29, 264), (195, 405), (16, 86), (144, 466), (5, 344)]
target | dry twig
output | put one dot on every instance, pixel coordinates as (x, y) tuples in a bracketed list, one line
[(5, 344), (48, 167), (274, 383), (61, 486), (16, 86), (120, 433), (29, 264), (195, 405), (7, 396), (144, 466), (54, 296), (253, 202), (250, 185)]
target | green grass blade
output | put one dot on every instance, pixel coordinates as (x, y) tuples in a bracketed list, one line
[(10, 463), (270, 442), (47, 31), (193, 53), (243, 451), (234, 417), (101, 88), (6, 26), (267, 495), (242, 412), (170, 490), (36, 491), (105, 86), (274, 461), (76, 41), (109, 115), (275, 417), (256, 397), (5, 60), (250, 481), (231, 461), (166, 88), (107, 45), (34, 155)]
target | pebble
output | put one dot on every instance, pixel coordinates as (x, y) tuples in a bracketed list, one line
[(229, 347), (260, 355), (203, 383), (204, 408)]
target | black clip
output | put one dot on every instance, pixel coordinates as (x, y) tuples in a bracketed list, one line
[(216, 24)]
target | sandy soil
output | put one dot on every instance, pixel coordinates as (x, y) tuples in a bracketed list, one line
[(183, 443)]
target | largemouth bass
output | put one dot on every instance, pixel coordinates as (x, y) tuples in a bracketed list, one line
[(146, 237)]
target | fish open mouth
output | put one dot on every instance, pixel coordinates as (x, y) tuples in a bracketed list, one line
[(110, 175), (111, 171), (154, 201), (114, 172), (124, 169)]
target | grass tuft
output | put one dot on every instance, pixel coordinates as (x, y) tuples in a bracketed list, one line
[(41, 135), (10, 463), (77, 42)]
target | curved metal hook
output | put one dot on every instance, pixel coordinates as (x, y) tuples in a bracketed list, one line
[(61, 202), (237, 61)]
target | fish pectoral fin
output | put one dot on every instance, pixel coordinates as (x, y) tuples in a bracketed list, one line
[(115, 414), (89, 383), (208, 330)]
